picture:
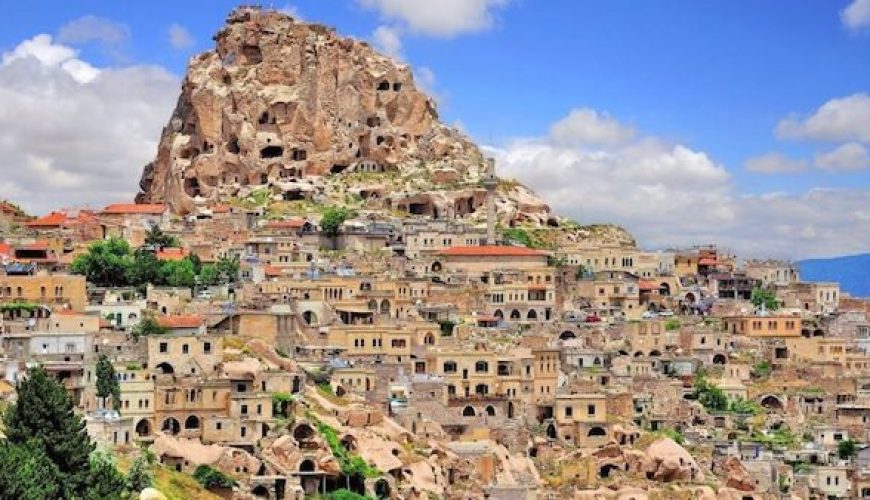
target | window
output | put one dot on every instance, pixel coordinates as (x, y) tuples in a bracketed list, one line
[(206, 348), (164, 347), (449, 367), (590, 409), (569, 411), (218, 426), (244, 409), (185, 349), (481, 367)]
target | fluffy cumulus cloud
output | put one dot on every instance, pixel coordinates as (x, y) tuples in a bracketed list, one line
[(443, 19), (672, 195), (840, 119), (179, 37), (75, 134), (856, 15), (849, 157), (588, 126), (774, 163)]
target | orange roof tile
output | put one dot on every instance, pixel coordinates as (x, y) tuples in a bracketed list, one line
[(273, 271), (188, 321), (5, 249), (285, 224), (220, 209), (171, 253), (135, 208), (648, 285), (708, 262), (492, 251), (50, 220)]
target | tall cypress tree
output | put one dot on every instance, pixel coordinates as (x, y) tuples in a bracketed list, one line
[(107, 384), (43, 417)]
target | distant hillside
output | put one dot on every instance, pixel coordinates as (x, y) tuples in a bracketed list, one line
[(852, 272)]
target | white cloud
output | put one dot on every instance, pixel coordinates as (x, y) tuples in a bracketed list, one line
[(179, 37), (587, 126), (388, 40), (841, 119), (671, 195), (93, 28), (443, 18), (849, 157), (774, 163), (856, 15), (43, 50), (75, 134)]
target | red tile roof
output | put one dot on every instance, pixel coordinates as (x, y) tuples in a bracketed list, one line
[(188, 321), (286, 224), (707, 261), (5, 249), (273, 271), (220, 209), (648, 285), (135, 208), (171, 253), (50, 220), (492, 251)]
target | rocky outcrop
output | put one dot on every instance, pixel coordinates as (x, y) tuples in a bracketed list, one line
[(297, 112), (667, 461), (736, 476)]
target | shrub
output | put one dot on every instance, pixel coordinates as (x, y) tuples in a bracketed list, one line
[(211, 478), (672, 324)]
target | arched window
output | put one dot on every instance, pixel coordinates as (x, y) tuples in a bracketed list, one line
[(468, 411), (449, 367), (481, 367)]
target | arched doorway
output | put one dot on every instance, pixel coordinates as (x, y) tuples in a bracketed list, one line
[(306, 465), (551, 431), (510, 409), (567, 334), (490, 411), (165, 368), (192, 422), (515, 314), (385, 306), (468, 411), (143, 428), (309, 318), (171, 426), (532, 315), (303, 432), (382, 489), (596, 432), (772, 402), (260, 492), (720, 359)]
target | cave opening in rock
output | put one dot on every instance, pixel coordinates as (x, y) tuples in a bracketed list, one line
[(384, 85), (337, 169), (271, 152)]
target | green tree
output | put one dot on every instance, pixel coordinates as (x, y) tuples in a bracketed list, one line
[(106, 263), (43, 417), (157, 238), (762, 369), (178, 273), (764, 296), (139, 477), (333, 218), (712, 397), (107, 383), (846, 449), (144, 268), (26, 473), (212, 478), (148, 325), (105, 481)]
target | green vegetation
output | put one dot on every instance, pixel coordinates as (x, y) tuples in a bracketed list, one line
[(517, 235), (714, 399), (281, 402), (158, 238), (762, 369), (846, 449), (148, 325), (47, 452), (107, 383), (674, 434), (343, 494), (351, 464), (18, 307), (333, 218), (325, 389), (762, 296), (672, 324), (782, 438), (447, 327), (139, 476), (113, 263), (212, 478)]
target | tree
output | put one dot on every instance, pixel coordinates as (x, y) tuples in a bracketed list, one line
[(712, 397), (139, 477), (147, 326), (761, 296), (212, 478), (106, 483), (144, 268), (333, 218), (157, 238), (178, 273), (106, 263), (43, 417), (26, 472), (107, 383), (846, 449)]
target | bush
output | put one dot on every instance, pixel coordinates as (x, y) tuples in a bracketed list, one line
[(211, 478), (762, 369), (351, 465), (333, 218), (672, 324), (846, 449)]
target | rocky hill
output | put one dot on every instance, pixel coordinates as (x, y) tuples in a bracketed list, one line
[(291, 114)]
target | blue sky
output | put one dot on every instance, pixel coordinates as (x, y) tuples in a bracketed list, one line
[(714, 76)]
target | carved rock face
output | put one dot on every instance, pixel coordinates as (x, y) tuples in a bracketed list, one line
[(278, 101)]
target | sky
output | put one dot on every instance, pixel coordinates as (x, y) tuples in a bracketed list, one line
[(745, 124)]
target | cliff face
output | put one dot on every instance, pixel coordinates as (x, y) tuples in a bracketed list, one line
[(295, 109), (283, 111)]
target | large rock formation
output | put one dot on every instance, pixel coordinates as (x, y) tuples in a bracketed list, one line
[(294, 111)]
